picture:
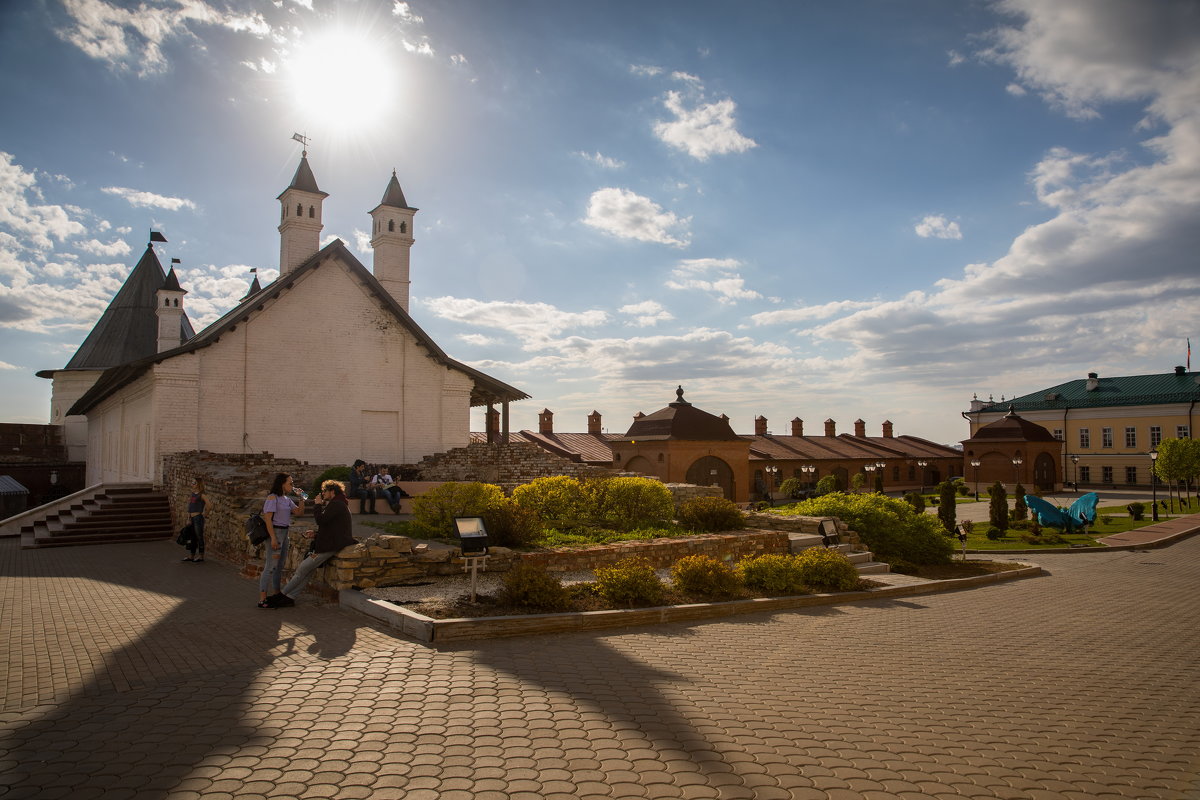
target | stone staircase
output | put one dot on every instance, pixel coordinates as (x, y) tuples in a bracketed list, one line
[(124, 513), (863, 560)]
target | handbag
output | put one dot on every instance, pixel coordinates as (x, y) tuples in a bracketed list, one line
[(256, 529), (187, 535)]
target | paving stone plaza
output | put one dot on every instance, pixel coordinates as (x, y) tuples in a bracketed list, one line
[(131, 675)]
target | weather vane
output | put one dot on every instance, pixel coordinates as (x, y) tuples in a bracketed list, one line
[(304, 140)]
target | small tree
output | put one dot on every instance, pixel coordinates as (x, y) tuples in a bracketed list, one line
[(1020, 510), (857, 481), (916, 500), (947, 510), (827, 484), (879, 481), (998, 509), (792, 487)]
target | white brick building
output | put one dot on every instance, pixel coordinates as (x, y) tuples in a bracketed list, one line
[(324, 364)]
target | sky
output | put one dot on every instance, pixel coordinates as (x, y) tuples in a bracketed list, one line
[(865, 209)]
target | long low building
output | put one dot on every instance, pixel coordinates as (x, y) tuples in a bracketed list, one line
[(682, 443)]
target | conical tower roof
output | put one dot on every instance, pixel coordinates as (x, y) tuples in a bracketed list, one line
[(171, 284), (128, 329), (304, 180), (254, 289), (394, 196)]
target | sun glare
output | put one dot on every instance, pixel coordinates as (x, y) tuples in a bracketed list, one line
[(341, 79)]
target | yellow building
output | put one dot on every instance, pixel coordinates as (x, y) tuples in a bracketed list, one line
[(1107, 426)]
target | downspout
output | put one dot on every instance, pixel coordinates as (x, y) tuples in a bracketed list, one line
[(1065, 457)]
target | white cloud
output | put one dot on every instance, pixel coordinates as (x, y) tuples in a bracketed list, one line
[(601, 160), (954, 58), (809, 313), (704, 130), (647, 313), (134, 38), (645, 70), (717, 276), (38, 224), (937, 227), (533, 323), (422, 48), (458, 59), (362, 242), (6, 365), (687, 78), (117, 247), (622, 213), (404, 12), (1016, 90), (476, 338), (140, 199)]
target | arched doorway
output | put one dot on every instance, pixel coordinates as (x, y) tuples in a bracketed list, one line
[(640, 464), (712, 471), (843, 478), (1044, 472)]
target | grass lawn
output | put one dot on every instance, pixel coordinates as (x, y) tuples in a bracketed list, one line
[(1012, 538)]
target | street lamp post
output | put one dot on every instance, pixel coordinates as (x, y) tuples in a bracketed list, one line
[(1075, 481), (1153, 485), (922, 465), (1017, 462), (808, 470), (975, 462), (880, 465), (870, 470)]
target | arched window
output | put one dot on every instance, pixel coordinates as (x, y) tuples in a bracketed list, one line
[(166, 302), (391, 225), (299, 209), (177, 302), (312, 212), (403, 227)]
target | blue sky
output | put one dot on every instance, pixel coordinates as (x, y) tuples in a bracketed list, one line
[(867, 209)]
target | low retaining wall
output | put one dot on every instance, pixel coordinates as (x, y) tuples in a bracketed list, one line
[(663, 552)]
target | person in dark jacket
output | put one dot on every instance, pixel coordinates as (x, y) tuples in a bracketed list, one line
[(360, 487), (333, 532)]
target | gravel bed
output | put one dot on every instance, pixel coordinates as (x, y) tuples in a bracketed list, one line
[(450, 587)]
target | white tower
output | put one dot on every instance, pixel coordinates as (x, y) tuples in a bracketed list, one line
[(392, 239), (169, 310), (300, 218)]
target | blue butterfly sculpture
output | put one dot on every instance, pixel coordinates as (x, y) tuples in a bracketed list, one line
[(1079, 516)]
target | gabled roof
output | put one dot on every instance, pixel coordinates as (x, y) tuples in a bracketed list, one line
[(1133, 390), (128, 329), (845, 446), (486, 388)]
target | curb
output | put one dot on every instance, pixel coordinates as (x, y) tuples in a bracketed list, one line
[(1166, 541), (427, 629)]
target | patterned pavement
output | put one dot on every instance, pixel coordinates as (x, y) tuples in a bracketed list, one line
[(130, 675)]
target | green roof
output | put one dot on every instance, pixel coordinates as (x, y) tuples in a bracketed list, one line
[(1132, 390)]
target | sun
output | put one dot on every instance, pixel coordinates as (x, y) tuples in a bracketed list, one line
[(341, 79)]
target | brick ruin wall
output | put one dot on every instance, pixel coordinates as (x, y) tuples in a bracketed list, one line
[(506, 465)]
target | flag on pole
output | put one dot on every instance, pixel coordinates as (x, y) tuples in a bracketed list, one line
[(1189, 360)]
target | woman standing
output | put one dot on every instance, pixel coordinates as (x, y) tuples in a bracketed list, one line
[(333, 533), (277, 513), (197, 510)]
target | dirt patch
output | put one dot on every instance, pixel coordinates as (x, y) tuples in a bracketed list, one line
[(963, 569)]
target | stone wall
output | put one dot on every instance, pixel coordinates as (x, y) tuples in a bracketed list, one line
[(506, 465), (797, 524), (682, 492)]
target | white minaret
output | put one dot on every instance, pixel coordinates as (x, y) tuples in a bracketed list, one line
[(300, 218), (392, 239), (169, 309)]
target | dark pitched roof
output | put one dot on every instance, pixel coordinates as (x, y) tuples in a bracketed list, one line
[(589, 448), (486, 388), (394, 196), (304, 179), (255, 288), (845, 446), (128, 329), (171, 284), (681, 420), (1011, 428), (1133, 390)]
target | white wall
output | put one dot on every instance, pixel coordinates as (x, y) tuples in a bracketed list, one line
[(68, 386)]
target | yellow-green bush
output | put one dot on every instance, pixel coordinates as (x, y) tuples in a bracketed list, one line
[(705, 576), (628, 583), (773, 574), (710, 514), (509, 525), (624, 504), (558, 501), (825, 570), (436, 509), (532, 586)]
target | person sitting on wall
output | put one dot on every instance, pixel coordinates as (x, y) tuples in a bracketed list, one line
[(333, 532), (359, 487), (383, 485)]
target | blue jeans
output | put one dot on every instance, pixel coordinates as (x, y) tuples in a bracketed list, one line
[(272, 573), (304, 572), (198, 525)]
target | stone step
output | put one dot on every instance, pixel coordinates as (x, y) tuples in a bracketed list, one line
[(126, 513), (863, 560), (872, 568)]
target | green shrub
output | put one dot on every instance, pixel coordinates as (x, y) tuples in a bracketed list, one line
[(332, 474), (1020, 509), (509, 525), (436, 509), (947, 510), (1020, 525), (963, 490), (916, 500), (708, 514), (628, 583), (559, 501), (998, 507), (903, 567), (887, 526), (532, 586), (1106, 519), (828, 484), (994, 534), (705, 576), (792, 487), (1136, 511), (627, 503), (826, 570), (773, 574)]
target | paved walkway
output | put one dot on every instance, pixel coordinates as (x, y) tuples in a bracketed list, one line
[(131, 675)]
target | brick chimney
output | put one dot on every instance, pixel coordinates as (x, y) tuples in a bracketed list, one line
[(830, 428), (760, 426), (887, 429), (594, 422), (546, 421), (797, 427), (492, 425), (860, 428)]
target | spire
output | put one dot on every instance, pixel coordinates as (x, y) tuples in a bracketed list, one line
[(304, 179), (299, 218), (394, 196), (254, 289), (171, 284)]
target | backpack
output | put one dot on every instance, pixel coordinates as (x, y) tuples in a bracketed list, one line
[(256, 529)]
